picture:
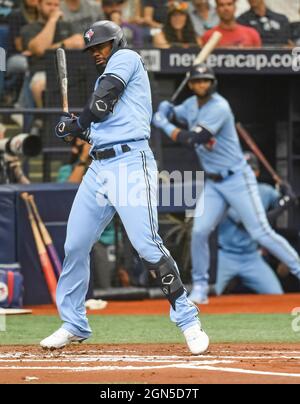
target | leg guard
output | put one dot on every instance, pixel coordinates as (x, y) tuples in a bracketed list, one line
[(167, 273)]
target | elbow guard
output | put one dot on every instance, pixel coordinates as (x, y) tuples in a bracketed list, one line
[(196, 137), (102, 101)]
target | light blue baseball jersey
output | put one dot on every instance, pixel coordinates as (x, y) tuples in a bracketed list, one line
[(232, 235), (217, 117), (131, 117)]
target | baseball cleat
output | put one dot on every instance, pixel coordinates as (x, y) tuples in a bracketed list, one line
[(60, 339), (197, 340)]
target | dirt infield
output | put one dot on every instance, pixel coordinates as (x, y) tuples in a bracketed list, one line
[(238, 304), (162, 364)]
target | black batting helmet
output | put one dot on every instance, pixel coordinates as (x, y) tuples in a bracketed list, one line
[(202, 71), (105, 31), (252, 160)]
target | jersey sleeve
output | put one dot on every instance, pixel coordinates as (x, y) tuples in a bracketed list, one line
[(181, 113), (122, 65), (274, 197), (214, 120)]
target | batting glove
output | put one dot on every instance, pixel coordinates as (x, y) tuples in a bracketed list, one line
[(286, 190), (69, 125), (161, 122)]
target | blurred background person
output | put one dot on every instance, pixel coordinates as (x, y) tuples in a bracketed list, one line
[(178, 29), (274, 28), (78, 164), (239, 255), (49, 32), (234, 34), (17, 64), (156, 12), (109, 6), (203, 16), (132, 12), (81, 13), (134, 34), (27, 13)]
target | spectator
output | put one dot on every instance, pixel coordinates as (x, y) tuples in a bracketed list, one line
[(6, 8), (290, 8), (133, 33), (81, 13), (132, 12), (156, 12), (27, 13), (273, 28), (17, 63), (241, 7), (178, 30), (109, 6), (234, 34), (49, 32), (79, 163), (203, 16)]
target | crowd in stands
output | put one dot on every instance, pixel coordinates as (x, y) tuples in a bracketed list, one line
[(28, 28)]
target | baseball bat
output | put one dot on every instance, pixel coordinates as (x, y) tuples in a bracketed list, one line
[(46, 238), (63, 77), (46, 265), (61, 63), (259, 154), (207, 49)]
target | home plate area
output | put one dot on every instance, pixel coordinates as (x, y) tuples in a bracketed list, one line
[(163, 364)]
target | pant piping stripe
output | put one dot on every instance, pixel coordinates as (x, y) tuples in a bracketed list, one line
[(150, 211), (270, 233)]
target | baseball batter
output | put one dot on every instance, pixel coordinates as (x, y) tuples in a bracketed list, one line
[(116, 121), (230, 180)]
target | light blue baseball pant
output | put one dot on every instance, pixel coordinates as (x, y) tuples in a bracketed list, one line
[(241, 192), (126, 184), (251, 268)]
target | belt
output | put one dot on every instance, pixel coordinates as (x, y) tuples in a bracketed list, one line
[(109, 153), (218, 177)]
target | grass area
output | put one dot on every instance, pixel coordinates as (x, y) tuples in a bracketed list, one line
[(238, 328)]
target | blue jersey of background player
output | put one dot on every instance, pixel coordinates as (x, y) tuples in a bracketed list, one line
[(230, 181), (239, 254), (116, 121)]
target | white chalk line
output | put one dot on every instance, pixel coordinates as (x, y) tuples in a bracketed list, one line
[(203, 363)]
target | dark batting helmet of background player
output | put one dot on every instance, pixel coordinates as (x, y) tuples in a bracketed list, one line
[(105, 31), (201, 71), (252, 160)]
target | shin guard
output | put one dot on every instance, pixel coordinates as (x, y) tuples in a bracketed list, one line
[(169, 278)]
